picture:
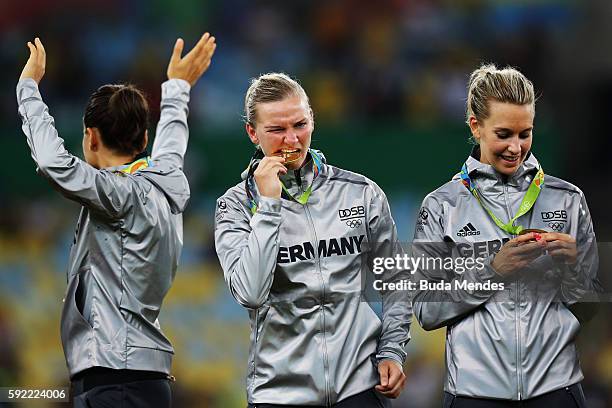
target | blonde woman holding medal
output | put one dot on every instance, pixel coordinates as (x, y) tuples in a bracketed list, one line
[(294, 240), (510, 330)]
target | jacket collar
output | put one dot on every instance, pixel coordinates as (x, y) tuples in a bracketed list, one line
[(305, 174), (526, 170), (299, 177), (141, 160)]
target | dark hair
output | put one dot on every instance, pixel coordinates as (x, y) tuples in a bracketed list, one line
[(121, 114)]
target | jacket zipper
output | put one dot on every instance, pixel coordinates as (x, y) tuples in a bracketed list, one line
[(517, 320), (321, 307)]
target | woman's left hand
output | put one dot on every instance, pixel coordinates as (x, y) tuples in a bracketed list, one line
[(392, 378), (35, 67), (561, 247)]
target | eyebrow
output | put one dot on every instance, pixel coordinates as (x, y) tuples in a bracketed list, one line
[(510, 130), (274, 127)]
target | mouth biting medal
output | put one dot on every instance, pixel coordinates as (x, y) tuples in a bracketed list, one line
[(290, 155)]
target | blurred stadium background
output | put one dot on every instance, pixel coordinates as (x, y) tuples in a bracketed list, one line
[(387, 84)]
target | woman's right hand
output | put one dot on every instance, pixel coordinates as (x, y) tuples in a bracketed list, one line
[(518, 253), (195, 63), (35, 67), (266, 176)]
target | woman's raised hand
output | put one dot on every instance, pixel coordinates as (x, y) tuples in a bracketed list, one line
[(35, 66), (195, 63)]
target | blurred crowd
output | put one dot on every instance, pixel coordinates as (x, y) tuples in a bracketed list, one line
[(371, 69)]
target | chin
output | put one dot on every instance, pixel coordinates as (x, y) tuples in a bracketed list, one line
[(507, 171)]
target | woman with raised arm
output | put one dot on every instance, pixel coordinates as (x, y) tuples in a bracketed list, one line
[(129, 234)]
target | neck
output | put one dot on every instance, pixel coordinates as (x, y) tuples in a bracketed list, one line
[(115, 160)]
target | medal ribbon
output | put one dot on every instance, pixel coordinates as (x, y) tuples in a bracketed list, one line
[(136, 165), (303, 198), (528, 200)]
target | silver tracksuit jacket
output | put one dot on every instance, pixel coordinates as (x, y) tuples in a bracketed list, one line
[(299, 271), (128, 238), (517, 343)]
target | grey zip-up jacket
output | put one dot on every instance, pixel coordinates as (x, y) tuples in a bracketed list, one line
[(128, 238), (516, 343), (299, 270)]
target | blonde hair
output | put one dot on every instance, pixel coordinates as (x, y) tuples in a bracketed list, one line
[(503, 85), (271, 87)]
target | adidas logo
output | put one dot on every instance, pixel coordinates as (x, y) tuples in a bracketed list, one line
[(468, 230)]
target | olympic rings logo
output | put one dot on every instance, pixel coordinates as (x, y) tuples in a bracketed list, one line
[(354, 223), (556, 226)]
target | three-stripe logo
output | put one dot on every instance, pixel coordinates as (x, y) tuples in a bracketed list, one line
[(468, 230)]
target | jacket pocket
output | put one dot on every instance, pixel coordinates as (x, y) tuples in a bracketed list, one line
[(76, 332), (73, 307)]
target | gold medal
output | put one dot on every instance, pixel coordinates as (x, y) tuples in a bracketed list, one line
[(290, 155)]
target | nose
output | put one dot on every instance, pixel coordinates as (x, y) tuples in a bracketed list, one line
[(515, 146), (291, 138)]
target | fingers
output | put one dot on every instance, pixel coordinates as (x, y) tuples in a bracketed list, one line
[(42, 54), (271, 159), (177, 51), (203, 58), (196, 51), (553, 245), (392, 379), (561, 253), (207, 55), (529, 248), (271, 163), (563, 250), (395, 377), (396, 390), (557, 236), (521, 239), (33, 50), (383, 372), (35, 66)]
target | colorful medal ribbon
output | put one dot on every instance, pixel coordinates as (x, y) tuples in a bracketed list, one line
[(303, 198), (528, 201), (136, 165)]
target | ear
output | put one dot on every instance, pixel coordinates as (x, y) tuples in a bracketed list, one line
[(475, 128), (312, 118), (93, 139), (145, 141), (252, 133)]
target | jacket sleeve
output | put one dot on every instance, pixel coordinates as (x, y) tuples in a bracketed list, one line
[(172, 131), (396, 305), (438, 308), (580, 285), (100, 190), (247, 248)]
